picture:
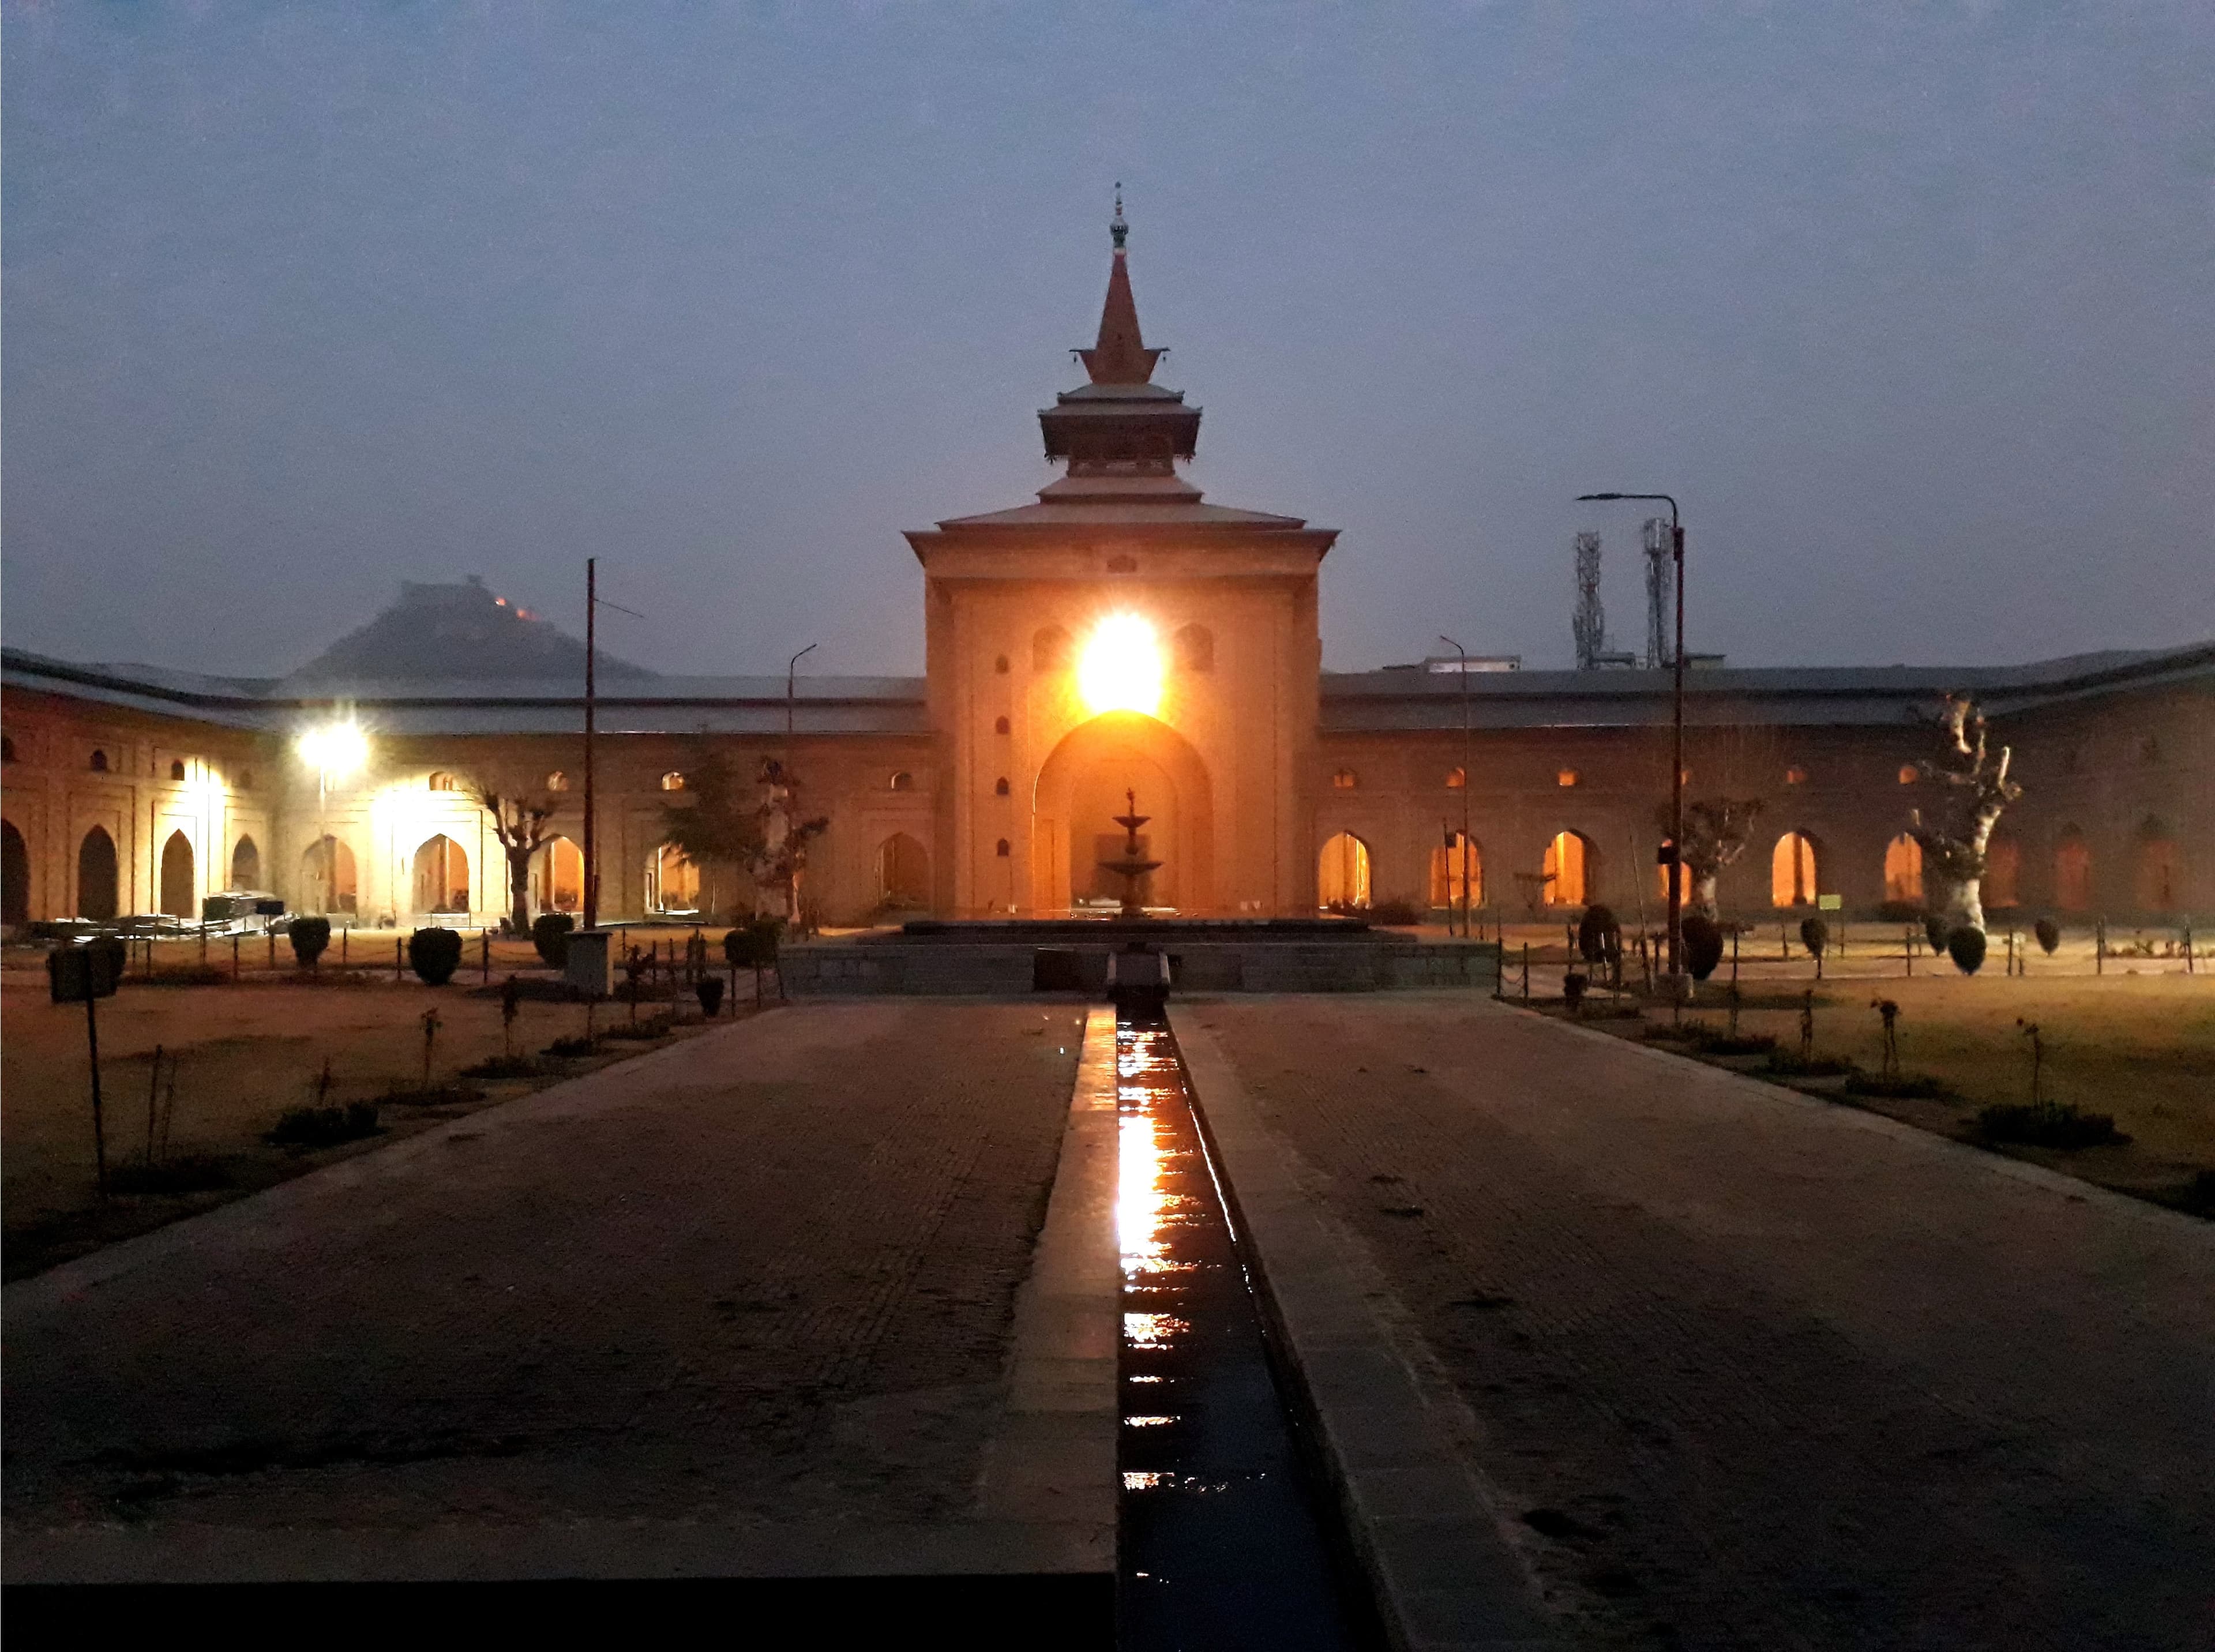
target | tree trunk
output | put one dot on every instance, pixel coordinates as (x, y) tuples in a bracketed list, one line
[(519, 889), (1703, 894), (1964, 906)]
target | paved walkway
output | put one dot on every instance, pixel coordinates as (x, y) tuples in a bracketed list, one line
[(746, 1305), (1744, 1369)]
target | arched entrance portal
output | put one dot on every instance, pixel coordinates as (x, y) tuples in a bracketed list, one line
[(96, 876), (1081, 790), (327, 878), (442, 876), (903, 873), (1342, 873), (177, 876), (557, 877), (15, 876)]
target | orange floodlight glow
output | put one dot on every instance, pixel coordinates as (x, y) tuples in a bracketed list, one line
[(1120, 668)]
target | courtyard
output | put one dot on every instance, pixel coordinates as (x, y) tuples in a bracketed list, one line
[(1727, 1365)]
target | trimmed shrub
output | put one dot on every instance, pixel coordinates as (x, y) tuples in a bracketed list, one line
[(323, 1127), (753, 945), (1966, 947), (2196, 1196), (2048, 933), (573, 1046), (710, 991), (1573, 990), (308, 937), (502, 1066), (1814, 935), (1703, 945), (1394, 913), (550, 933), (434, 955), (2048, 1123), (1599, 937)]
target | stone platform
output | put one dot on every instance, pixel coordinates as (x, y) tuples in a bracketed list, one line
[(1012, 956)]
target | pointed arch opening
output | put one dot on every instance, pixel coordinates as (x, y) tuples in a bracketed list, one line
[(326, 877), (1902, 871), (2158, 873), (245, 863), (2072, 871), (672, 881), (557, 877), (96, 876), (442, 876), (177, 876), (1792, 871), (15, 876), (1082, 788), (903, 873), (1570, 870), (2003, 885), (1343, 879), (1455, 866)]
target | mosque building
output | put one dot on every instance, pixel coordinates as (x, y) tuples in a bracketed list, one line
[(1119, 635)]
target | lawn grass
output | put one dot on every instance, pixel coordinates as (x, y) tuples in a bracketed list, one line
[(2138, 1048), (245, 1056)]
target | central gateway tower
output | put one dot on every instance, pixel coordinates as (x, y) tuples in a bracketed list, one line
[(1120, 634)]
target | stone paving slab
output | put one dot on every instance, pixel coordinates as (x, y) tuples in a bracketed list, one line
[(748, 1305), (1741, 1368)]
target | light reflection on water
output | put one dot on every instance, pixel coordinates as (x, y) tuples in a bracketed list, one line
[(1221, 1543)]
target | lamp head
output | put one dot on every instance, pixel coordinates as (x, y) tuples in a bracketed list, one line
[(338, 749)]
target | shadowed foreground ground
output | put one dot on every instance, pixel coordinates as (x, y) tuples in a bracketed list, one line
[(754, 1287), (1744, 1369)]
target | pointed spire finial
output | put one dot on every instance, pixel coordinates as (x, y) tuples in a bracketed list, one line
[(1118, 228)]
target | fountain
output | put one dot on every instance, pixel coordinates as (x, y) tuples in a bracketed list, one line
[(1131, 868)]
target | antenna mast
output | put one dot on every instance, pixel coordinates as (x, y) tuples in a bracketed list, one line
[(1588, 623), (1658, 550)]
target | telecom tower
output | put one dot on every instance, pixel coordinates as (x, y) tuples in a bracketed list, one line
[(1588, 623), (1657, 593)]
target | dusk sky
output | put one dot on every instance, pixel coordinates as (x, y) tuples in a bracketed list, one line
[(1913, 307)]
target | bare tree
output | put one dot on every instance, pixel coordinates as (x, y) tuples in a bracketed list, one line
[(1977, 790), (785, 836), (520, 819), (1716, 831)]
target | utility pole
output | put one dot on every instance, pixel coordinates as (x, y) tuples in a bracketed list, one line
[(591, 686), (1468, 779)]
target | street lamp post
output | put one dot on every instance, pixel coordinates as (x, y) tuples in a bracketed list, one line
[(1676, 861), (792, 792), (1461, 848)]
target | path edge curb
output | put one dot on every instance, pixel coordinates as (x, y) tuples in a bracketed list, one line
[(1425, 1530)]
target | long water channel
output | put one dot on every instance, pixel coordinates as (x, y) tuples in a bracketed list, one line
[(1225, 1541)]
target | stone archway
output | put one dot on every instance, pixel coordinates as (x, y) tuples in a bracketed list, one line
[(442, 876), (97, 878), (177, 876), (1081, 790), (557, 877), (15, 876)]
